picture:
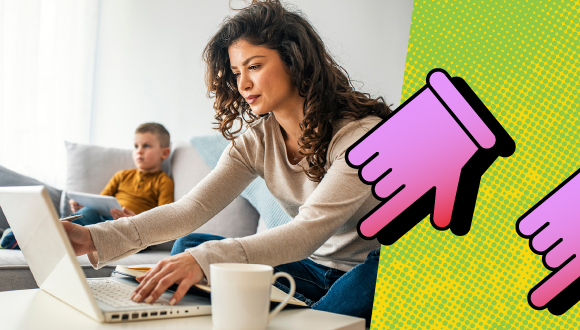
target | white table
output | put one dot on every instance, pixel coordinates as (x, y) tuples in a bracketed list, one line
[(36, 309)]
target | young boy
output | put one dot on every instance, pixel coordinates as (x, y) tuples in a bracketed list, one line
[(137, 190)]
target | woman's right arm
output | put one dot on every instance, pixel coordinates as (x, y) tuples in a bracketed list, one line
[(117, 239)]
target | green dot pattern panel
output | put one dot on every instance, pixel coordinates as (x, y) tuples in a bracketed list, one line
[(521, 59)]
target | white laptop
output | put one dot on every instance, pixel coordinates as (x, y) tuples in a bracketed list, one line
[(55, 268)]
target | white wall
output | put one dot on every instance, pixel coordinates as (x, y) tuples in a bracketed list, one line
[(149, 68)]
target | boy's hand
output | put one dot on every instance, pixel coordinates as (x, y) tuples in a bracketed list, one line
[(74, 206), (80, 238), (116, 214), (181, 268)]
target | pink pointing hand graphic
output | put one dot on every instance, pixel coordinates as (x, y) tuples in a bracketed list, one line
[(428, 157), (553, 225)]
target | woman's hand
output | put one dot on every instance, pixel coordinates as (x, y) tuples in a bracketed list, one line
[(74, 206), (80, 238), (116, 214), (181, 268)]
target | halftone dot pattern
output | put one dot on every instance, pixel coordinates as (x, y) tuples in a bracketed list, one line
[(521, 59)]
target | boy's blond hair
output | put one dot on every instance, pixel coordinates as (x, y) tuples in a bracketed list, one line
[(156, 129)]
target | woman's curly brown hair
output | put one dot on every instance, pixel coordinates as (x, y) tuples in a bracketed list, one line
[(325, 86)]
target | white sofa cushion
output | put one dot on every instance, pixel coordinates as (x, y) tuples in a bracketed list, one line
[(238, 219)]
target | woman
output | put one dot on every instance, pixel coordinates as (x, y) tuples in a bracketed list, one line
[(271, 75)]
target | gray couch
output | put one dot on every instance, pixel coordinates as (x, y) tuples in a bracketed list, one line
[(88, 170)]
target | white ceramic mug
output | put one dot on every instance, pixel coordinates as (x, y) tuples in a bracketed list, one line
[(240, 295)]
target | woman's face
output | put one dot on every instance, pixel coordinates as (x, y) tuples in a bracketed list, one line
[(263, 79)]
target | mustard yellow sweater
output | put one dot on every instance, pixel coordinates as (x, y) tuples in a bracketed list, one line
[(138, 191)]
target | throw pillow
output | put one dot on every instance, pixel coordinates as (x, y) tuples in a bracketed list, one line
[(210, 148)]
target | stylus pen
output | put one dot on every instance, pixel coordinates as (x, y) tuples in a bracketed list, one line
[(72, 217)]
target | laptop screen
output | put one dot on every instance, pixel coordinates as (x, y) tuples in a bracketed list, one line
[(46, 247)]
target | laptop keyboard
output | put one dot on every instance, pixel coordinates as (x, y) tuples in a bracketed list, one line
[(118, 295)]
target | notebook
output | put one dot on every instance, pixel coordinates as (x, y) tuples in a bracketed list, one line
[(55, 268)]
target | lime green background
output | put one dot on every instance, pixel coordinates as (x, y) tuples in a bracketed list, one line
[(522, 59)]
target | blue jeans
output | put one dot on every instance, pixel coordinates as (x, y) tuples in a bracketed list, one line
[(320, 287), (90, 217)]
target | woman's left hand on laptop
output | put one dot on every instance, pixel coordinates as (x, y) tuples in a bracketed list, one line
[(181, 268)]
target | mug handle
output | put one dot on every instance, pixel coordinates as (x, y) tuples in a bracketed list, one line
[(290, 294)]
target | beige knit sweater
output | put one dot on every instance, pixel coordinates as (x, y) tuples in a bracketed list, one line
[(325, 214)]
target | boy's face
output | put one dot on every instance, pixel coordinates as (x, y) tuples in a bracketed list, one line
[(148, 154)]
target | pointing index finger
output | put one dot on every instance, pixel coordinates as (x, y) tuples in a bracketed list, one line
[(385, 213), (550, 287)]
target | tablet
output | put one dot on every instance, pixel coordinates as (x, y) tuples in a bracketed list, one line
[(101, 203)]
